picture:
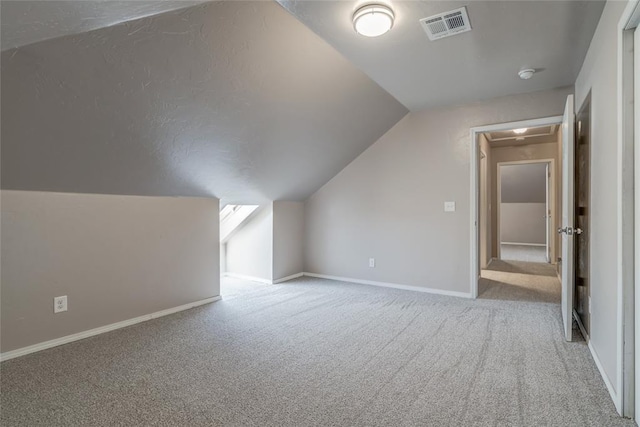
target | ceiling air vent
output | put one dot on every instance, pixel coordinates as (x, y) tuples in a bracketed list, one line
[(446, 24)]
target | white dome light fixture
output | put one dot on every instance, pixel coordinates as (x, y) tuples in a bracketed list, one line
[(373, 20), (526, 74), (520, 131)]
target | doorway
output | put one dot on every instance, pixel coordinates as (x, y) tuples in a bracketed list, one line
[(525, 210), (530, 141)]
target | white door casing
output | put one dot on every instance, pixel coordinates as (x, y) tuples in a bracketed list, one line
[(636, 133)]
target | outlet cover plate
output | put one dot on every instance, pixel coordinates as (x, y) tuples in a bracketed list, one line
[(60, 304)]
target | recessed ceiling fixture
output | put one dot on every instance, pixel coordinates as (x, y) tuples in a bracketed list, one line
[(520, 131), (373, 20), (526, 74)]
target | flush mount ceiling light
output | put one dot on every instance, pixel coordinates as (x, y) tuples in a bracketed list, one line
[(520, 131), (373, 20), (526, 74)]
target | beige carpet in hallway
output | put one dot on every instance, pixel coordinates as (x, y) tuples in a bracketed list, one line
[(317, 352)]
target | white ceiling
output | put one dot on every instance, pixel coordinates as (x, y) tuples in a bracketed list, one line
[(26, 22), (237, 100), (537, 135), (506, 36)]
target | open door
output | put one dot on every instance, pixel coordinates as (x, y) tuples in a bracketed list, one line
[(567, 230)]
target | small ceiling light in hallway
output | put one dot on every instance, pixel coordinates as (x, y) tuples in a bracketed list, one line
[(520, 131), (373, 20)]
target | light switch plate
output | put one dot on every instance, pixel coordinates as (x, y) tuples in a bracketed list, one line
[(449, 206)]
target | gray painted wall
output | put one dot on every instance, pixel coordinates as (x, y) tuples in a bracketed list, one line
[(525, 183), (269, 246), (250, 248), (388, 203), (115, 257), (523, 223), (599, 75), (288, 238)]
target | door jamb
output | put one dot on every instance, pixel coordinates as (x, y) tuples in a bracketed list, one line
[(628, 233), (475, 185)]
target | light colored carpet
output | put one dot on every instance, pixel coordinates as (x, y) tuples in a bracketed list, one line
[(316, 352), (523, 253), (232, 287)]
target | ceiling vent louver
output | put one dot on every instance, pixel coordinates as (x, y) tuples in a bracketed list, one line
[(446, 24)]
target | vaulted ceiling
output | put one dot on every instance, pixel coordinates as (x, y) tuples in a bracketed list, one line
[(238, 100), (25, 22), (247, 100)]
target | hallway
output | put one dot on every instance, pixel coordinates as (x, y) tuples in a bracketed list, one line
[(520, 281)]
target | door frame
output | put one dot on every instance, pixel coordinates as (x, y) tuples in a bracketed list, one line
[(628, 145), (551, 197), (474, 256)]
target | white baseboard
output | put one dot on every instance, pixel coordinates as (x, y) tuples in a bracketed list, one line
[(524, 244), (612, 391), (286, 279), (101, 330), (250, 278), (392, 285)]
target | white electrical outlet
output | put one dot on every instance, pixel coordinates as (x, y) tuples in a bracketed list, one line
[(372, 262), (60, 304)]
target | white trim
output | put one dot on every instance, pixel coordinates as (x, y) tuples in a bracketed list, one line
[(605, 378), (523, 244), (249, 278), (474, 184), (391, 285), (286, 279), (628, 243), (101, 330)]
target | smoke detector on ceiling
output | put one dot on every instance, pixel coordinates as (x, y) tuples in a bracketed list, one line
[(446, 24), (526, 74)]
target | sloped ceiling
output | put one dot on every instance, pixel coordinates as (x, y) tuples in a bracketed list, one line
[(26, 22), (237, 100), (507, 36)]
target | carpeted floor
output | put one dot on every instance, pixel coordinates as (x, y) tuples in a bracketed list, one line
[(525, 253), (315, 352)]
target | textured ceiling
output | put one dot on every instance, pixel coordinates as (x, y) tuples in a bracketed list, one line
[(538, 135), (25, 22), (237, 100), (550, 36)]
